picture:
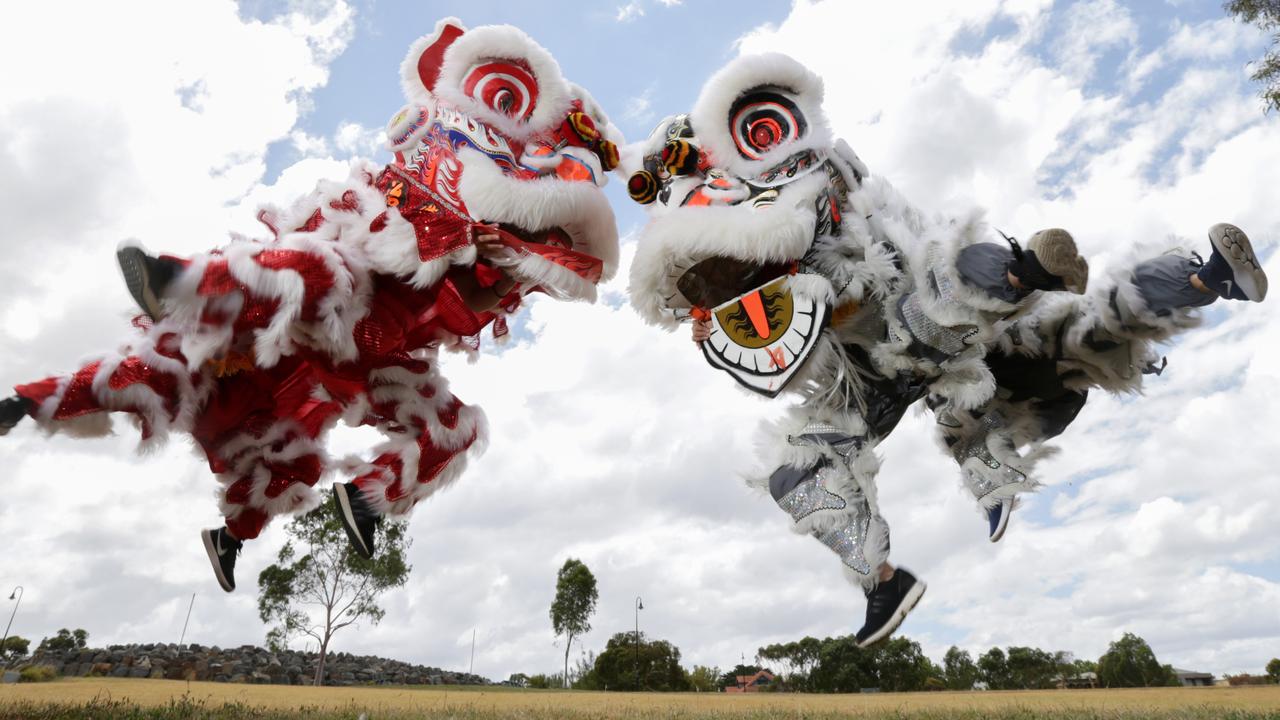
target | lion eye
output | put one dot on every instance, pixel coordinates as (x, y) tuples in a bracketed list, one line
[(505, 87), (763, 120)]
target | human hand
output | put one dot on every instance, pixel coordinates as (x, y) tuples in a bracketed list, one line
[(701, 330), (491, 247)]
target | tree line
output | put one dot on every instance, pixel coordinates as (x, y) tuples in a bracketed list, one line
[(632, 661)]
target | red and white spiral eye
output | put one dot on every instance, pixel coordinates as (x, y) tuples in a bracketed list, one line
[(761, 121), (504, 86)]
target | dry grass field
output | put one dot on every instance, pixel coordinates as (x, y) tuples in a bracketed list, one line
[(109, 698)]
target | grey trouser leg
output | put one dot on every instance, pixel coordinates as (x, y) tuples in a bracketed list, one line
[(1165, 284), (986, 267)]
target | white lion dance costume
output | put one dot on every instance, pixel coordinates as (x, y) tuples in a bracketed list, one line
[(804, 273), (258, 348)]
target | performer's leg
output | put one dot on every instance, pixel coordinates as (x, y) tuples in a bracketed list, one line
[(1047, 362), (826, 484), (263, 432), (148, 380), (429, 436), (258, 298)]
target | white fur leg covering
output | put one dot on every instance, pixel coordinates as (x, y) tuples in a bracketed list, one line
[(273, 473), (836, 502), (311, 281), (1109, 335), (430, 436), (146, 378)]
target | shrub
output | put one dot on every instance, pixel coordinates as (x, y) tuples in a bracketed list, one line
[(37, 673)]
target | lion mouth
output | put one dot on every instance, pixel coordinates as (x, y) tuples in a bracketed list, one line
[(716, 280)]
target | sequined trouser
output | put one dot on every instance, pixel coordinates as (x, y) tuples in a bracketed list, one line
[(828, 485)]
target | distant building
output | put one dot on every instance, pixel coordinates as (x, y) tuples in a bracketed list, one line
[(751, 683), (1191, 678), (1082, 681)]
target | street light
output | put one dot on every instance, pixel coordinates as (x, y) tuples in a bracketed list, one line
[(639, 607), (18, 593)]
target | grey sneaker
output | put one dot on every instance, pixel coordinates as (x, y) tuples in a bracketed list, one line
[(1233, 271), (1056, 252), (147, 277)]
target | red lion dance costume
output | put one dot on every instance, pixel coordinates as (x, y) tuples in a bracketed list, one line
[(258, 348)]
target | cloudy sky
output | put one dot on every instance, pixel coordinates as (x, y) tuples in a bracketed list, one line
[(611, 441)]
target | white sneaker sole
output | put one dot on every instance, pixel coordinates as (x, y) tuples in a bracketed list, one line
[(1234, 245), (904, 608), (343, 501), (212, 550)]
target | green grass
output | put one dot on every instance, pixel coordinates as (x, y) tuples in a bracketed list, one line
[(186, 708)]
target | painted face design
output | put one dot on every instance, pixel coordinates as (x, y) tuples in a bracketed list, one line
[(738, 191), (494, 134)]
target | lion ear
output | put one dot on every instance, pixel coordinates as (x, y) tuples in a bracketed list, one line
[(421, 67)]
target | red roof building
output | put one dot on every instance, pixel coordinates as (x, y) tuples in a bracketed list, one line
[(751, 683)]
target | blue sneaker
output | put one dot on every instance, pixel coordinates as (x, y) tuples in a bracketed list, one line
[(1233, 271), (998, 519)]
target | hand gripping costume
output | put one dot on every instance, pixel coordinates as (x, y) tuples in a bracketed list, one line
[(816, 278), (261, 346)]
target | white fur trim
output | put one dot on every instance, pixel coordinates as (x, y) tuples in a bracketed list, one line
[(577, 207), (675, 241), (410, 80)]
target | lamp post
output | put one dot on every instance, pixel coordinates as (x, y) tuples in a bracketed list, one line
[(639, 607), (18, 593)]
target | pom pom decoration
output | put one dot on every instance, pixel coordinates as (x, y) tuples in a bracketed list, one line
[(643, 187), (407, 127), (580, 129), (680, 157)]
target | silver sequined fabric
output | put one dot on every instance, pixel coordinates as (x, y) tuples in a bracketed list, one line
[(810, 496), (949, 341), (991, 474), (849, 541)]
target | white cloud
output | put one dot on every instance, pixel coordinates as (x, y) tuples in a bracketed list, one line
[(629, 12), (356, 140), (639, 108)]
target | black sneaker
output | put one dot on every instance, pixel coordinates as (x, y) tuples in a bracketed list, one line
[(222, 549), (1233, 271), (358, 518), (888, 605), (147, 277), (12, 410), (998, 519)]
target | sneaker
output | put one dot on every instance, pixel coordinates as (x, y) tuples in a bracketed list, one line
[(1233, 271), (222, 549), (358, 518), (12, 410), (1052, 262), (998, 519), (147, 277), (887, 606)]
